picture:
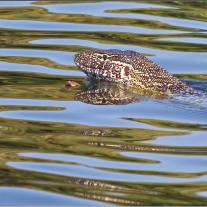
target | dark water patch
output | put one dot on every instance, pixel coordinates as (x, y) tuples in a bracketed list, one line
[(189, 40), (198, 84)]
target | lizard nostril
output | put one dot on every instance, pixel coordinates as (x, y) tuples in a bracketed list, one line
[(105, 57)]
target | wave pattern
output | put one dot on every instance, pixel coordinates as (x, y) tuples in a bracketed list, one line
[(58, 151)]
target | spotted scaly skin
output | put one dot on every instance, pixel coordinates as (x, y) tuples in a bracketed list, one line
[(129, 68)]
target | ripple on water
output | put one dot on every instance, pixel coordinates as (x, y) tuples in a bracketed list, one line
[(53, 140), (93, 173), (185, 140), (203, 193), (28, 197), (5, 66), (98, 8), (65, 58), (52, 26), (102, 6), (159, 162), (15, 3), (113, 116), (187, 39), (163, 57)]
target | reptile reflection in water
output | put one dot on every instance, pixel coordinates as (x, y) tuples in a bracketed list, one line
[(111, 190), (100, 92)]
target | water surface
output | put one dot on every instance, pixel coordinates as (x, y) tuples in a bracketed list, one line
[(58, 151)]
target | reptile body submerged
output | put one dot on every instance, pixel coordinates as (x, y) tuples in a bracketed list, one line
[(129, 68)]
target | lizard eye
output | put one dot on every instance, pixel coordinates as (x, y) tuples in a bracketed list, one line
[(105, 57)]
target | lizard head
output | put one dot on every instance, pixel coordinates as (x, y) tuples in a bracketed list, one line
[(111, 65)]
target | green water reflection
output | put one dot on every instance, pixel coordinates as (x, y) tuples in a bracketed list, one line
[(27, 136), (187, 10), (105, 142)]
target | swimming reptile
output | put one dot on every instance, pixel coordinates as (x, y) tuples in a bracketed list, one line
[(129, 68)]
